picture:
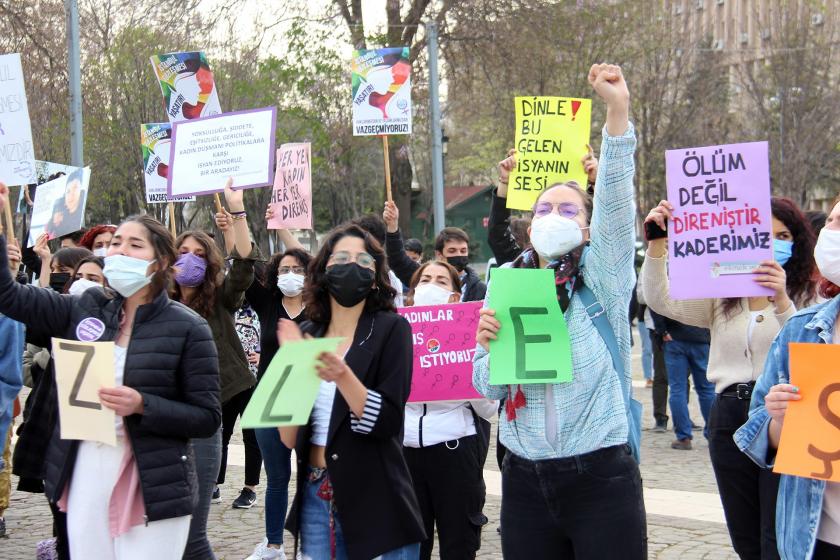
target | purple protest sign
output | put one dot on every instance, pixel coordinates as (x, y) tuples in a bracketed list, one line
[(722, 225), (444, 345)]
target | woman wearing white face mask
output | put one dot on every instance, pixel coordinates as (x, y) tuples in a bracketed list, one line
[(97, 239), (808, 510), (278, 295), (571, 487), (133, 500), (443, 444)]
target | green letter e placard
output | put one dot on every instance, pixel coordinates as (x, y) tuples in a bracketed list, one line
[(533, 344)]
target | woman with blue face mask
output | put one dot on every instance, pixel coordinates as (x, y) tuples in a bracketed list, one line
[(133, 500), (742, 330), (202, 285)]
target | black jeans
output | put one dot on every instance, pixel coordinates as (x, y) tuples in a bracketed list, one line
[(253, 458), (588, 507), (660, 378), (449, 484), (748, 492)]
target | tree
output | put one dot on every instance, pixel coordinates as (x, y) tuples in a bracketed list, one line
[(404, 21)]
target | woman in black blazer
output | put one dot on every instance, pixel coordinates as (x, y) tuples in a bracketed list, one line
[(354, 496)]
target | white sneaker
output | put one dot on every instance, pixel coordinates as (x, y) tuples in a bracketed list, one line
[(264, 552)]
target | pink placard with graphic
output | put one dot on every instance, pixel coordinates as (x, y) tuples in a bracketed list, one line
[(444, 346)]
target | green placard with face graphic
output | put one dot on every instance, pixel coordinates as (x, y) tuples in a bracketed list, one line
[(533, 344), (287, 391)]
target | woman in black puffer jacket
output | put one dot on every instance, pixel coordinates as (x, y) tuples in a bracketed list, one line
[(133, 500)]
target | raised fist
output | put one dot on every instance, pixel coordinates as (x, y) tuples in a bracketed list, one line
[(608, 82)]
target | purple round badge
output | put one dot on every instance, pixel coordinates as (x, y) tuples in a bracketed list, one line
[(90, 329)]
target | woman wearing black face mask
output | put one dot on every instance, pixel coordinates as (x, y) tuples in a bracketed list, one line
[(354, 494), (57, 270)]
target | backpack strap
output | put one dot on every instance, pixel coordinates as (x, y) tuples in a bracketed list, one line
[(596, 312)]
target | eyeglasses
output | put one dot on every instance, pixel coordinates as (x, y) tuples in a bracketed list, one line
[(343, 257), (565, 209), (287, 269)]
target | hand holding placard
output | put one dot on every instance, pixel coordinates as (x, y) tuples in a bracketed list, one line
[(287, 391), (532, 343), (810, 441), (81, 369)]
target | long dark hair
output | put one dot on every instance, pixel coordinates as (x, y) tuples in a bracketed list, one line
[(800, 268), (70, 256), (316, 296), (161, 241), (205, 297), (270, 279)]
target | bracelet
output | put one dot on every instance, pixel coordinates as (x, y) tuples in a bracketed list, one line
[(242, 213), (237, 217)]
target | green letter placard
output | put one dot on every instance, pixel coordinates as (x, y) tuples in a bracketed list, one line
[(287, 391), (533, 345)]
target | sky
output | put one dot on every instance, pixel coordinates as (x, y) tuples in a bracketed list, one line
[(253, 15)]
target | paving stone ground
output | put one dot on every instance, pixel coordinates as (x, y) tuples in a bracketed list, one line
[(234, 533)]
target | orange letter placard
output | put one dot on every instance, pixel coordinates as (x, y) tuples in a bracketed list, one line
[(810, 443)]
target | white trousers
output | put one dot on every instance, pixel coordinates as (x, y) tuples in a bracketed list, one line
[(88, 530)]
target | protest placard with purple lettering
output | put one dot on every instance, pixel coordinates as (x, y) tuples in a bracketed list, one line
[(444, 345), (722, 225), (291, 198)]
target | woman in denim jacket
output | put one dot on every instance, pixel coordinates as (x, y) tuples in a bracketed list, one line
[(808, 510)]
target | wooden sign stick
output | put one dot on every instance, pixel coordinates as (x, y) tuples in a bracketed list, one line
[(385, 152), (171, 207), (218, 201), (10, 224)]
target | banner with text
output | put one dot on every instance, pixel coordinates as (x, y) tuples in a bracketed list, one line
[(381, 82), (292, 194), (810, 442), (17, 155), (187, 84), (205, 152), (59, 206), (722, 226), (550, 141), (155, 139), (444, 345)]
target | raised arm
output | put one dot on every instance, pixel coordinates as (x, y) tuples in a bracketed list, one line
[(398, 261), (610, 257), (41, 309), (233, 222), (499, 236)]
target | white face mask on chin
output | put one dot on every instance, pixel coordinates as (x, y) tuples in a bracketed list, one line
[(827, 254), (553, 236), (431, 294)]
